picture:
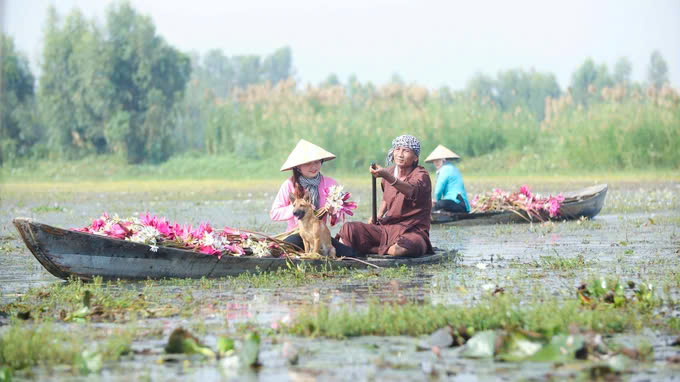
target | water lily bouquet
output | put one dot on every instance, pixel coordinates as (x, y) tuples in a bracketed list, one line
[(337, 204), (533, 205), (155, 232)]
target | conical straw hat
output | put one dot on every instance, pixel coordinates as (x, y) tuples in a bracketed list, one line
[(441, 152), (305, 152)]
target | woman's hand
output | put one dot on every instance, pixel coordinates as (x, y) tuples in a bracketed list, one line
[(378, 172)]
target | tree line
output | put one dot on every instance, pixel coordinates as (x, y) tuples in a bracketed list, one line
[(119, 88)]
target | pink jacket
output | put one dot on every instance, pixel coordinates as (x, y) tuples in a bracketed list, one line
[(282, 210)]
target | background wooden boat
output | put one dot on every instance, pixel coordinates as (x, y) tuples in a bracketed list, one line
[(586, 202), (65, 253)]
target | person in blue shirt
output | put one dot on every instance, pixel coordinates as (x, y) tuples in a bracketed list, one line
[(449, 191)]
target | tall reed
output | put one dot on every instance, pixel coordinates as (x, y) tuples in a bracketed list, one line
[(627, 130)]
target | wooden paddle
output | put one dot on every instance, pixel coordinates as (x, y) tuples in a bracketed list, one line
[(374, 202)]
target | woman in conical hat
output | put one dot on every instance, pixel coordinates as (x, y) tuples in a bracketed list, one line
[(403, 226), (449, 190), (305, 161)]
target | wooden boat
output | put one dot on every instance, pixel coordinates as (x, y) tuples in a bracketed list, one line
[(583, 203), (67, 253)]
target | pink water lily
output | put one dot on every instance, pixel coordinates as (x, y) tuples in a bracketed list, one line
[(231, 231), (98, 224), (208, 250), (118, 231), (202, 229), (158, 231), (523, 201), (237, 250), (525, 190)]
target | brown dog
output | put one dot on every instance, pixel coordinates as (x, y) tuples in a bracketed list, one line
[(314, 232)]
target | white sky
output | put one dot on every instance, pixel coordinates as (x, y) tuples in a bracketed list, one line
[(433, 43)]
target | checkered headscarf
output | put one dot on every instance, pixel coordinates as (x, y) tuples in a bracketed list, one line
[(409, 141)]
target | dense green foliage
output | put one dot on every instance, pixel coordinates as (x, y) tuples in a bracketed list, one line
[(110, 89), (18, 128), (624, 131), (117, 90), (616, 135), (515, 89), (657, 72)]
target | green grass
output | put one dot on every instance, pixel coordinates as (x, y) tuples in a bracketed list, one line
[(548, 316), (79, 302), (561, 263), (92, 175), (231, 170), (76, 301), (23, 346)]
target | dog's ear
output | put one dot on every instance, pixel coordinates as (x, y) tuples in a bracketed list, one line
[(307, 198), (291, 196)]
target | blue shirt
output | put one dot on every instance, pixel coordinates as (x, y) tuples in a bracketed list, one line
[(450, 184)]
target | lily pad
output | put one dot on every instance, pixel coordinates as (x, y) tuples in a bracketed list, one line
[(562, 348), (290, 353), (250, 349), (518, 347), (183, 342), (225, 346), (613, 366), (5, 374), (441, 338), (619, 363), (481, 345), (89, 362), (79, 315)]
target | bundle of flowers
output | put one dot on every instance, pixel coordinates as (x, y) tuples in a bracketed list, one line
[(533, 205), (155, 231), (337, 205)]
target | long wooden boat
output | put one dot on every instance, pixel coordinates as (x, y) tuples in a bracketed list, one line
[(582, 203), (67, 253)]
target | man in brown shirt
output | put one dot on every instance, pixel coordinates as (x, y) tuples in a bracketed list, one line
[(403, 226)]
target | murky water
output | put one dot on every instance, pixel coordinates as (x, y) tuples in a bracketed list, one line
[(636, 237)]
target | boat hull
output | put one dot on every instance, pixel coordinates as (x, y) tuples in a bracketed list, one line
[(583, 203), (67, 253)]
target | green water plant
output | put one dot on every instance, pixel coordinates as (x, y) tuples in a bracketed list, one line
[(547, 317), (183, 342)]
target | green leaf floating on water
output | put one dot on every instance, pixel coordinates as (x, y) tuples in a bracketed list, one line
[(183, 342), (562, 348), (89, 362), (5, 374), (619, 363), (518, 347), (250, 349), (79, 315), (612, 366), (481, 345), (225, 346)]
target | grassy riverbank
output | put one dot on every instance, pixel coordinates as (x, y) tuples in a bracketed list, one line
[(228, 172)]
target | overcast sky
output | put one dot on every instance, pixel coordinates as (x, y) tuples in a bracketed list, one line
[(433, 43)]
